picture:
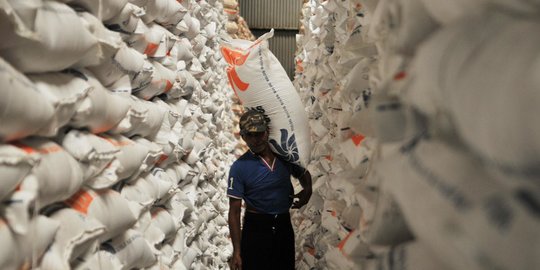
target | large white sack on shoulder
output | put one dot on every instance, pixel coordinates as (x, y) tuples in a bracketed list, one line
[(261, 83), (163, 81), (15, 164), (19, 120), (65, 91), (100, 260), (107, 206), (132, 250), (51, 51), (75, 230), (101, 110), (490, 220), (448, 12), (93, 152), (59, 175), (131, 155)]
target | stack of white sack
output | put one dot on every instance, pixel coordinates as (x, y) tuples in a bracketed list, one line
[(127, 139), (334, 75), (414, 81)]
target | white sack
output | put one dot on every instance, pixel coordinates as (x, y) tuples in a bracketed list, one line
[(261, 83), (132, 250), (127, 20), (101, 110), (164, 221), (65, 92), (491, 97), (93, 152), (58, 173), (152, 121), (126, 61), (101, 9), (52, 51), (15, 164), (100, 260), (163, 81), (18, 119), (413, 255), (131, 155), (437, 184), (106, 206), (75, 230), (29, 246)]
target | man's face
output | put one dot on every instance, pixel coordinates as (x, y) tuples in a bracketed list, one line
[(256, 141)]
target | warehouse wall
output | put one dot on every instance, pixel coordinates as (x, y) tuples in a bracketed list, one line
[(284, 17)]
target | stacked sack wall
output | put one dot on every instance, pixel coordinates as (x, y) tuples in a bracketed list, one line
[(116, 134), (425, 154)]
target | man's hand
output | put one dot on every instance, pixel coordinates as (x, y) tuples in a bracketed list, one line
[(303, 198), (235, 262)]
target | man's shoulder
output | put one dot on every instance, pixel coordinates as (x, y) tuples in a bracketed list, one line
[(243, 159)]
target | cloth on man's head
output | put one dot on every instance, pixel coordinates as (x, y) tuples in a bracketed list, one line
[(252, 121)]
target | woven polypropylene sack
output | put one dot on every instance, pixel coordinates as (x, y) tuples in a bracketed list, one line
[(49, 50), (106, 206), (18, 119), (261, 83)]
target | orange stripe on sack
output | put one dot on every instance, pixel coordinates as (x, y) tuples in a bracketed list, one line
[(399, 76), (231, 81), (168, 86), (344, 241), (162, 158), (80, 201), (234, 57), (242, 86), (357, 139), (329, 157), (25, 148), (151, 49)]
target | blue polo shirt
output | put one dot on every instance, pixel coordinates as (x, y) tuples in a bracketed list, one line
[(263, 188)]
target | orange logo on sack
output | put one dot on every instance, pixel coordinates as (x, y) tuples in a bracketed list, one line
[(234, 59), (80, 201)]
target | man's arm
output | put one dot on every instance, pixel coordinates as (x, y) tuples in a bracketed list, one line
[(235, 206), (304, 195)]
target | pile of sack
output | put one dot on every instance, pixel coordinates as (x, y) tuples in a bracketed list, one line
[(116, 135), (427, 155)]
